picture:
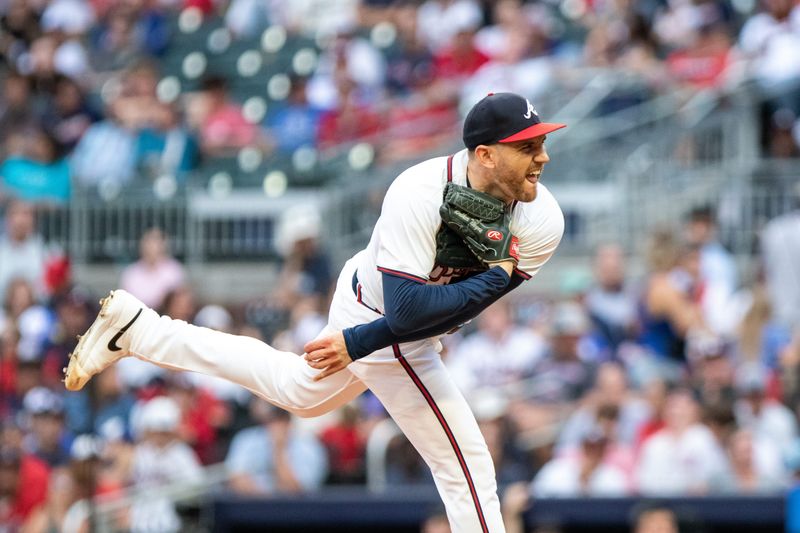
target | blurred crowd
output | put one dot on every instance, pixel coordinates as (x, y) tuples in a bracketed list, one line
[(90, 98), (683, 379), (680, 380)]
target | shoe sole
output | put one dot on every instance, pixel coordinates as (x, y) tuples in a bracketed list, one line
[(75, 377)]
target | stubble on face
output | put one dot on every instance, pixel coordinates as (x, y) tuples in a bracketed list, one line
[(511, 175)]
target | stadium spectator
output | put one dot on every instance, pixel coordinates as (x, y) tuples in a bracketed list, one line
[(346, 444), (780, 248), (351, 119), (652, 518), (507, 17), (53, 332), (39, 174), (748, 471), (510, 463), (314, 18), (611, 304), (611, 399), (524, 52), (156, 273), (760, 337), (72, 17), (496, 333), (160, 458), (20, 24), (350, 67), (116, 41), (22, 249), (104, 409), (563, 376), (515, 501), (181, 301), (33, 324), (711, 369), (409, 68), (274, 457), (23, 486), (8, 372), (19, 298), (18, 111), (761, 414), (222, 126), (53, 55), (462, 13), (458, 59), (202, 415), (105, 156), (681, 458), (67, 507), (165, 146), (48, 439), (296, 124), (586, 473), (306, 268), (718, 272), (436, 522), (404, 466), (720, 419), (668, 309), (704, 61), (68, 115), (769, 40)]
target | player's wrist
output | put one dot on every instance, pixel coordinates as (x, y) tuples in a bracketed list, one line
[(508, 266)]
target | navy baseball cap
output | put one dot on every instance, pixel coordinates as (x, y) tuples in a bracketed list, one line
[(504, 118)]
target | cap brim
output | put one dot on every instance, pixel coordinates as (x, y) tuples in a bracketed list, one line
[(537, 130)]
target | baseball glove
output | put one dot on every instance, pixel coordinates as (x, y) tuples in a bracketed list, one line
[(481, 221)]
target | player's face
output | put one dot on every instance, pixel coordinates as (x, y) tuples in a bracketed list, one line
[(519, 168)]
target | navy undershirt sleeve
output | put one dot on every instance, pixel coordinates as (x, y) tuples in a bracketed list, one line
[(416, 311)]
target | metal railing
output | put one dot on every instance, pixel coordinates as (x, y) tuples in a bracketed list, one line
[(616, 176)]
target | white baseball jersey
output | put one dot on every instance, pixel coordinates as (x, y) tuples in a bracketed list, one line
[(403, 242)]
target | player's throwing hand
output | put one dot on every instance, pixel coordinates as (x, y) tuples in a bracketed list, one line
[(328, 354)]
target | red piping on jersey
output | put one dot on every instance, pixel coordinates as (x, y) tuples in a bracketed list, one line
[(401, 274), (362, 302), (450, 168), (448, 432)]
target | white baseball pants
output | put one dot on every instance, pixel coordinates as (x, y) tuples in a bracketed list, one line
[(414, 387)]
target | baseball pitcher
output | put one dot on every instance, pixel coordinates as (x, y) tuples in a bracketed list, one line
[(454, 235)]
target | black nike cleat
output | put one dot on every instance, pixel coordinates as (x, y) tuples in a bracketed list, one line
[(106, 341)]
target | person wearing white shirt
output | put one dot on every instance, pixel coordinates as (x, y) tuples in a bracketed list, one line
[(587, 473), (682, 458), (522, 348)]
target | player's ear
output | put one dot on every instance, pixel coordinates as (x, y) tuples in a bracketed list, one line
[(486, 155)]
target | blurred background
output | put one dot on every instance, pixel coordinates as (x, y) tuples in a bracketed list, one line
[(220, 159)]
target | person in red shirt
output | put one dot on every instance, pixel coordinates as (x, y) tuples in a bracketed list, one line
[(23, 486), (346, 448), (704, 62), (223, 128), (351, 121), (460, 59)]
